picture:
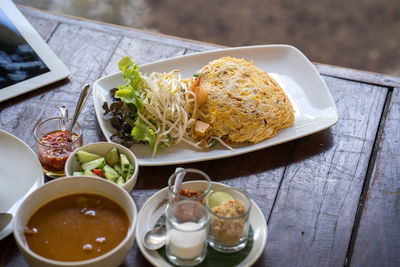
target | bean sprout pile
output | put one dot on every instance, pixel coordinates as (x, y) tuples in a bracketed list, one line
[(170, 108)]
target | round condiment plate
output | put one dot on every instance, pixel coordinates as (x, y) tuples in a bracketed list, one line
[(153, 208), (20, 174)]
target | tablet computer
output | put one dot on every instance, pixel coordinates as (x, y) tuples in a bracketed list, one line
[(26, 61)]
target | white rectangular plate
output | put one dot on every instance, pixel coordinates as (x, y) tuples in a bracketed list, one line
[(314, 107)]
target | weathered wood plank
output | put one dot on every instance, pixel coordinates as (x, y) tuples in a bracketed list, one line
[(85, 58), (378, 236), (142, 51), (313, 216), (44, 27), (121, 30), (259, 173), (358, 75)]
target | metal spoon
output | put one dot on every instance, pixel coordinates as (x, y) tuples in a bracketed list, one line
[(156, 237), (78, 109), (63, 118), (5, 219)]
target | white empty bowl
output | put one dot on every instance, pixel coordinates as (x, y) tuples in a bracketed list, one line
[(102, 148), (73, 185)]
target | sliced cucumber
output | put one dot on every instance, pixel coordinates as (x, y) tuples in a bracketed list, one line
[(112, 157), (117, 167), (131, 170), (83, 156), (124, 164), (89, 173), (94, 164), (110, 173), (120, 181)]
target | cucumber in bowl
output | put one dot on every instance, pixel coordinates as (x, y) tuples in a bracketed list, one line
[(114, 166)]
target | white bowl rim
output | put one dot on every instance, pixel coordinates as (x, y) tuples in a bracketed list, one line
[(131, 230), (134, 175)]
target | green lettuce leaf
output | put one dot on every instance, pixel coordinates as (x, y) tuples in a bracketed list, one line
[(130, 72), (128, 95), (142, 132), (130, 92)]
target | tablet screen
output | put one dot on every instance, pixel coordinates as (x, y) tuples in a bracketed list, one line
[(18, 61)]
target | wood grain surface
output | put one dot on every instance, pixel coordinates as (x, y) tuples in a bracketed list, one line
[(378, 238), (309, 190), (312, 219)]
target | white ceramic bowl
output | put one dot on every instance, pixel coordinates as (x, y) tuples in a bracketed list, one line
[(72, 185), (102, 148)]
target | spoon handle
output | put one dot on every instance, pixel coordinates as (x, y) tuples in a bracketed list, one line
[(78, 109), (179, 178), (178, 181), (63, 118)]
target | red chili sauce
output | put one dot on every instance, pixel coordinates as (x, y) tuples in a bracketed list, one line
[(57, 149)]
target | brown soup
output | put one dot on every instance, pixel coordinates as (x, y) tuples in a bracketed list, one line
[(76, 227)]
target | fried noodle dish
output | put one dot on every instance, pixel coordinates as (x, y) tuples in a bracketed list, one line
[(228, 101)]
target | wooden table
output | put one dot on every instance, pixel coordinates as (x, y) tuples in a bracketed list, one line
[(330, 199)]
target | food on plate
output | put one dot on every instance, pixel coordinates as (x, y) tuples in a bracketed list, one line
[(158, 109), (55, 149), (229, 101), (244, 104), (114, 166), (230, 208), (229, 219), (225, 230), (76, 227), (193, 194), (219, 198), (189, 193)]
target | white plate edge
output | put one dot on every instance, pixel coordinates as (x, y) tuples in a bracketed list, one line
[(9, 228)]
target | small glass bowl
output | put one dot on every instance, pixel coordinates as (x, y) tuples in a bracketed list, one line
[(195, 186), (229, 224)]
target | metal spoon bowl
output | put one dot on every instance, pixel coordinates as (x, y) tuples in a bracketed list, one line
[(5, 219), (155, 238)]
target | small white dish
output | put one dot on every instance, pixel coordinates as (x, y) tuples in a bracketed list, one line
[(20, 174), (102, 148), (72, 185), (314, 107), (153, 208)]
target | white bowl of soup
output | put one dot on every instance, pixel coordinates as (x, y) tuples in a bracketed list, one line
[(76, 221)]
